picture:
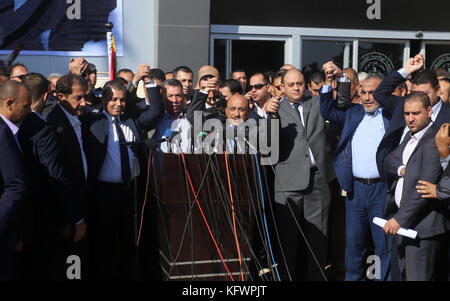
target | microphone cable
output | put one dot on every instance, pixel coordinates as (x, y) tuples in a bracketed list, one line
[(296, 222), (302, 233), (204, 218), (233, 216), (265, 219)]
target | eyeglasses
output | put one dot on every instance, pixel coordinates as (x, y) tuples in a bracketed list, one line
[(257, 86), (277, 87)]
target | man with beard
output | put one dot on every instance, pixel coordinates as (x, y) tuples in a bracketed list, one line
[(417, 158), (364, 127)]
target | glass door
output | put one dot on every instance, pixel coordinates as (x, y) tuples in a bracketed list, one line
[(381, 57)]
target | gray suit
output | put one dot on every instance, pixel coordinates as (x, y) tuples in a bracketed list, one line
[(302, 194), (293, 166), (418, 258)]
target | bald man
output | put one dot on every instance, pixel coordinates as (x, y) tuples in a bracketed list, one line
[(302, 175), (15, 105), (287, 67), (237, 109)]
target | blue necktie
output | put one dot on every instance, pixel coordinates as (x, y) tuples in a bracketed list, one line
[(124, 157), (296, 105)]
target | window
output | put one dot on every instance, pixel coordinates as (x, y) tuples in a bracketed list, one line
[(437, 56), (318, 52), (377, 57)]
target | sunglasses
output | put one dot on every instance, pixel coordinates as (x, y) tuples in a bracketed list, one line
[(19, 76), (257, 86)]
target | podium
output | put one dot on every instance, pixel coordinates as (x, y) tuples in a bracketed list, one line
[(186, 245)]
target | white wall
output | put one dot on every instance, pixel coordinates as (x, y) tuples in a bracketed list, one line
[(138, 40)]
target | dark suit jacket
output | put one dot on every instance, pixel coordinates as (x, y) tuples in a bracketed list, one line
[(96, 131), (198, 104), (426, 216), (349, 120), (394, 106), (48, 188), (12, 186), (49, 105), (443, 187), (71, 158), (293, 168)]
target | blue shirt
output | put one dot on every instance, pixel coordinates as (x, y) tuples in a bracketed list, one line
[(365, 141), (111, 170)]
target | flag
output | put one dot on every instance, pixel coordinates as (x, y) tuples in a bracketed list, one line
[(111, 55)]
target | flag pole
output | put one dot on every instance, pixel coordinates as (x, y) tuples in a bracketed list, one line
[(111, 52)]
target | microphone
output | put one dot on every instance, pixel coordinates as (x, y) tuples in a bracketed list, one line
[(169, 135), (203, 134), (151, 143)]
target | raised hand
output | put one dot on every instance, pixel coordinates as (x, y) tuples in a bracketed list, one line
[(272, 105), (414, 64), (332, 71), (142, 72), (78, 65), (442, 139)]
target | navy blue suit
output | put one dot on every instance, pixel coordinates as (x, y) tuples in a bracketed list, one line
[(76, 205), (111, 204), (44, 211), (394, 106), (364, 201), (12, 191), (96, 131)]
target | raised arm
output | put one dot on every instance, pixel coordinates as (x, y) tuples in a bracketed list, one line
[(328, 105), (152, 114), (383, 94)]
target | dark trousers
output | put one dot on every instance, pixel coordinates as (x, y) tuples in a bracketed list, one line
[(6, 259), (422, 259), (111, 232), (79, 250), (310, 208), (368, 201), (43, 259)]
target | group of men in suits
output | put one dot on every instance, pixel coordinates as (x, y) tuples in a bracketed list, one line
[(386, 147), (69, 172), (74, 169)]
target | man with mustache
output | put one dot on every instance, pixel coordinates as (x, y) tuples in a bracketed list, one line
[(357, 169), (174, 118), (71, 91)]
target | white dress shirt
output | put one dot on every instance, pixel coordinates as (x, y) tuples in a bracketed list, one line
[(407, 152), (181, 142), (258, 110), (111, 170), (76, 124), (312, 161)]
